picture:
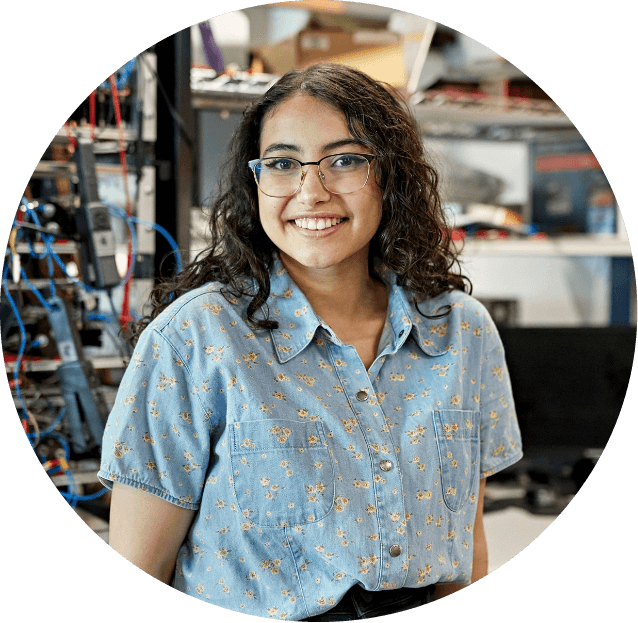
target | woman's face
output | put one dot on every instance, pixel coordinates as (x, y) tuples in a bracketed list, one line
[(306, 129)]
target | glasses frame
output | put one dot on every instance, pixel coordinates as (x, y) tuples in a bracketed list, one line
[(253, 165)]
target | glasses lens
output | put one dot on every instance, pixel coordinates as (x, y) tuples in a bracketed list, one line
[(278, 177), (344, 173), (340, 174)]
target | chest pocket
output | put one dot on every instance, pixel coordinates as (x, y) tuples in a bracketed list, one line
[(457, 438), (282, 472)]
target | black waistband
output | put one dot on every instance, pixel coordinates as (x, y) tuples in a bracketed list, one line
[(359, 603)]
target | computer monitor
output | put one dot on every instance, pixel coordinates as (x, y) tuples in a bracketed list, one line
[(569, 384)]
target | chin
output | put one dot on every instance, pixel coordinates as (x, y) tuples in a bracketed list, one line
[(326, 259), (314, 262)]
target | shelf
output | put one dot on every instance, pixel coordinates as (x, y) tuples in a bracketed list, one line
[(110, 133), (63, 169), (209, 90), (40, 284), (56, 399), (51, 365), (481, 115), (66, 248), (84, 472), (563, 246), (80, 478)]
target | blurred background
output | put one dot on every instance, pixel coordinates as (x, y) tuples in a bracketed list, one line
[(119, 199)]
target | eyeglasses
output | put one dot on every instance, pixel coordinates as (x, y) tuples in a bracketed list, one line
[(340, 174)]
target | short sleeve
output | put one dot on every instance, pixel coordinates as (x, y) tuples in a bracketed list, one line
[(500, 434), (157, 437)]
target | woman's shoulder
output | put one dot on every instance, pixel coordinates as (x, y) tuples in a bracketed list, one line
[(457, 302), (442, 322), (212, 301)]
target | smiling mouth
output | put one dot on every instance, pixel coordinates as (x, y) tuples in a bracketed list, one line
[(318, 224)]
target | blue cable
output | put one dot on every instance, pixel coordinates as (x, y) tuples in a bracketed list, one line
[(51, 256), (47, 241), (84, 498), (117, 211), (23, 340), (72, 498), (35, 291), (121, 75), (169, 238)]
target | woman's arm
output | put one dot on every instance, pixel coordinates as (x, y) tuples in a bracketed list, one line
[(147, 530), (479, 560)]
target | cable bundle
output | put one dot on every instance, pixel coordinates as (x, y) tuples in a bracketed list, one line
[(28, 219), (52, 258)]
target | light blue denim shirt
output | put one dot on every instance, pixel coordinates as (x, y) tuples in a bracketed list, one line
[(309, 474)]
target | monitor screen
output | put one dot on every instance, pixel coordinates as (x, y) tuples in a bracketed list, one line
[(569, 383)]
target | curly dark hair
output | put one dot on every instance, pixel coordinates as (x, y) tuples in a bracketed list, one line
[(412, 239)]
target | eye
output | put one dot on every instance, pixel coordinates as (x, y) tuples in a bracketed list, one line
[(347, 161), (280, 165)]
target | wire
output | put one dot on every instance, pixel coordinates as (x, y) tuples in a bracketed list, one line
[(125, 316), (35, 291), (23, 344), (62, 465), (169, 238), (129, 220), (52, 257), (176, 116), (117, 211)]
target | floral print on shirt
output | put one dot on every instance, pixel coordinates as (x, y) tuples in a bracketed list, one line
[(309, 473)]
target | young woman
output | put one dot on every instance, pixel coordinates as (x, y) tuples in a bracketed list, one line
[(313, 405)]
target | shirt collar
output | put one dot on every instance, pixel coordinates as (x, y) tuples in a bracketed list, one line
[(431, 335), (298, 323), (290, 308)]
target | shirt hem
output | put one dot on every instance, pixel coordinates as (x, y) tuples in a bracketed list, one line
[(107, 480), (501, 466)]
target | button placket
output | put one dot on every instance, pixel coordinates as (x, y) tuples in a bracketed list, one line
[(387, 486), (394, 543)]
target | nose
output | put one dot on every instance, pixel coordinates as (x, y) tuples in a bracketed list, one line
[(311, 190)]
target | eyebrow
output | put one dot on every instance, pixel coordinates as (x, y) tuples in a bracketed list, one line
[(329, 146)]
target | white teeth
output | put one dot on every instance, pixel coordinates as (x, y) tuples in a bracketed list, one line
[(317, 223)]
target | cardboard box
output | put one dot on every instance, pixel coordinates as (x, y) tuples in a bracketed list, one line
[(378, 53)]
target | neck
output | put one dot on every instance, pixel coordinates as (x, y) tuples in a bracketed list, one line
[(346, 290)]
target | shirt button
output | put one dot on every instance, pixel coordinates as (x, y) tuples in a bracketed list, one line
[(362, 394), (395, 551), (386, 465)]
